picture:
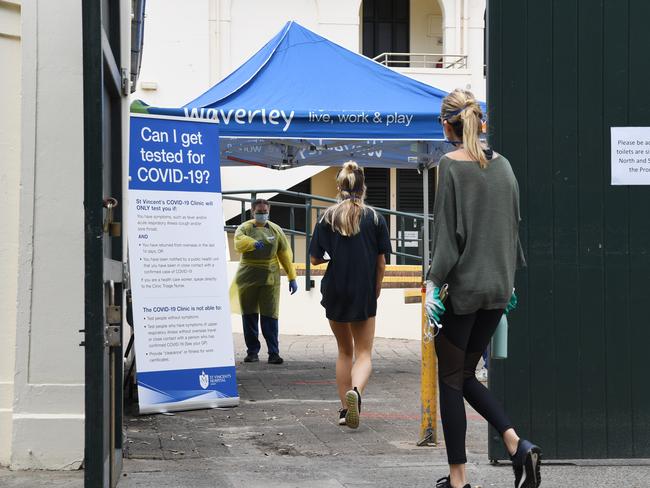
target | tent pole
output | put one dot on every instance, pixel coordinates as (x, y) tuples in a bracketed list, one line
[(423, 148), (425, 213), (428, 369)]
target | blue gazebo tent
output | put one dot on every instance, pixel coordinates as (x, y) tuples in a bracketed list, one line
[(303, 99)]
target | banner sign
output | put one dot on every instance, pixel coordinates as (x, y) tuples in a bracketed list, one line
[(630, 155), (177, 256), (278, 122)]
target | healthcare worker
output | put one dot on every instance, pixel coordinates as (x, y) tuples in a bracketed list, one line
[(264, 247)]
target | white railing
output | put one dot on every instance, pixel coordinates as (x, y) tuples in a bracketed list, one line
[(423, 60)]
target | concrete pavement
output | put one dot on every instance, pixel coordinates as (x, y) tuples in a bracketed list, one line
[(285, 435)]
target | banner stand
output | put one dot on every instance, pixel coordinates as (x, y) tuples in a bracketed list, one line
[(177, 260)]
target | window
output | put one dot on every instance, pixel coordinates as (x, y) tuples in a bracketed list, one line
[(385, 27)]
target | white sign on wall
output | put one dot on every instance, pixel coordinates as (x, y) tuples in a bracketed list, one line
[(630, 155)]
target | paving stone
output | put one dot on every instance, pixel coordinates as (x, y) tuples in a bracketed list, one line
[(285, 434)]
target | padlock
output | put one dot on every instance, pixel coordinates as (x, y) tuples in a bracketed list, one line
[(115, 229), (108, 220), (108, 227)]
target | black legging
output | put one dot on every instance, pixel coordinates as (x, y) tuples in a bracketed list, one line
[(459, 346)]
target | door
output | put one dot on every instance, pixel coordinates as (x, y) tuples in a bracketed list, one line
[(378, 191), (410, 199), (386, 28), (560, 75), (105, 87)]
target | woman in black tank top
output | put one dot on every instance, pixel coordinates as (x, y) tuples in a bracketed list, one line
[(353, 239)]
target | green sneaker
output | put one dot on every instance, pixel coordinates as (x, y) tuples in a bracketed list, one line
[(353, 401)]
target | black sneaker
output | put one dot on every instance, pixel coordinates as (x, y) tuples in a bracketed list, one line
[(526, 463), (342, 413), (251, 358), (353, 401), (446, 483), (275, 359)]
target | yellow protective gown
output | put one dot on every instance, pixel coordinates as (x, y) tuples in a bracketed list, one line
[(256, 287)]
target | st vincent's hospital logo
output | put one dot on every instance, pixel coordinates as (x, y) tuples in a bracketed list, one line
[(204, 380)]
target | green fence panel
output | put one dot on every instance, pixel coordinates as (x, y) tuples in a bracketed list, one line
[(560, 74)]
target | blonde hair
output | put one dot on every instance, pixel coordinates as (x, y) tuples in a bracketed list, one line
[(345, 216), (463, 113)]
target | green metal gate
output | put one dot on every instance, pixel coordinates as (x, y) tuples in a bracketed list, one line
[(105, 86), (560, 74)]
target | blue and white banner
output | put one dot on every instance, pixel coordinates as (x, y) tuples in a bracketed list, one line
[(177, 257)]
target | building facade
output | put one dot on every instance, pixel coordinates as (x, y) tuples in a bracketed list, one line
[(438, 42)]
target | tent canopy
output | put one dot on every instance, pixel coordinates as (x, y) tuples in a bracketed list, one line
[(302, 99)]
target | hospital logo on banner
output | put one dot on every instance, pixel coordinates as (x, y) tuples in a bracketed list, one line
[(204, 380), (207, 380)]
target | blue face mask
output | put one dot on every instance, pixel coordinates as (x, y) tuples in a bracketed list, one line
[(261, 218)]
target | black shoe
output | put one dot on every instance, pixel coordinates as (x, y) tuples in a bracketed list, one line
[(526, 463), (446, 483), (353, 401), (275, 359), (342, 413), (251, 358)]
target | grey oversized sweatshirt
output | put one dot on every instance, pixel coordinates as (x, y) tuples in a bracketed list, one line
[(475, 243)]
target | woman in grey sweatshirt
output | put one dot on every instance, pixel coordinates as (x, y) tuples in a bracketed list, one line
[(475, 251)]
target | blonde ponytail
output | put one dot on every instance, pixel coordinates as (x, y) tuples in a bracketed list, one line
[(345, 216), (461, 110)]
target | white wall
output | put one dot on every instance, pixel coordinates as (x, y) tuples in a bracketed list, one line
[(449, 79), (475, 43), (48, 414), (250, 32), (9, 197), (175, 52), (246, 25), (463, 30), (191, 45), (451, 11), (426, 35)]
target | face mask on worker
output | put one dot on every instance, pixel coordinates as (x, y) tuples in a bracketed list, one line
[(261, 218)]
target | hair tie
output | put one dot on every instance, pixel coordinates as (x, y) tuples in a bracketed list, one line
[(350, 196), (456, 112)]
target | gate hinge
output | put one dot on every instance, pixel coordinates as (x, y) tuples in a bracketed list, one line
[(113, 314), (126, 82), (113, 336), (125, 274)]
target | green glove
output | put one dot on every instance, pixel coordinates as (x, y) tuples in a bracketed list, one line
[(512, 304), (433, 304)]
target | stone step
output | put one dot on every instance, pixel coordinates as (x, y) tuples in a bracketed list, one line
[(407, 277), (409, 273)]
